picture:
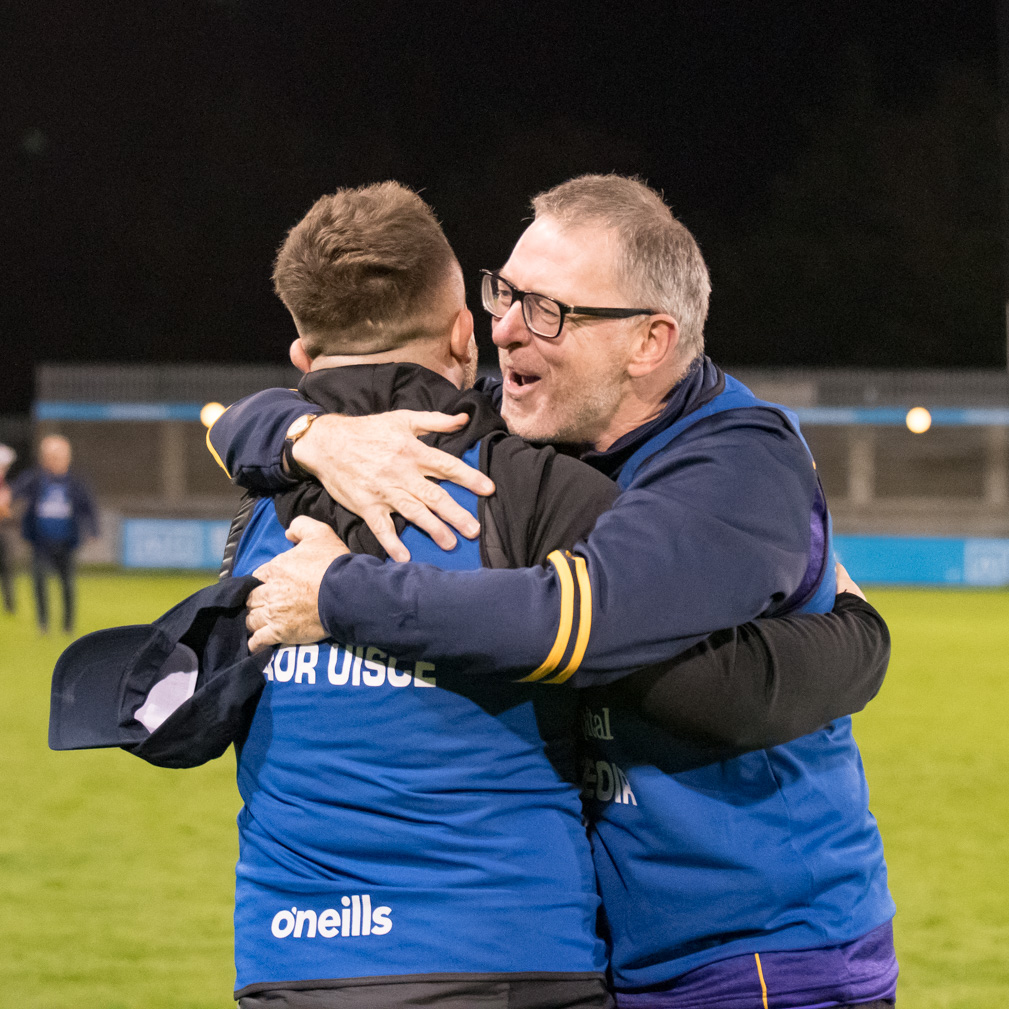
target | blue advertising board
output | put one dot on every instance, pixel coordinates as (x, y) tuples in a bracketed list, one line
[(911, 560), (881, 560), (830, 416), (173, 543), (60, 410)]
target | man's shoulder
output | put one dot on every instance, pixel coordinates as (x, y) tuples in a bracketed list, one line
[(523, 469), (762, 426), (25, 480), (544, 500), (730, 458), (78, 483)]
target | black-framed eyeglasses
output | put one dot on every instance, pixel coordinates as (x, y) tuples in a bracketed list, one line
[(543, 316)]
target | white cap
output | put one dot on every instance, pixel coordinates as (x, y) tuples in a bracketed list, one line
[(7, 456)]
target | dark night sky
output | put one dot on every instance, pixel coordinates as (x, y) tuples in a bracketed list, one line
[(837, 162)]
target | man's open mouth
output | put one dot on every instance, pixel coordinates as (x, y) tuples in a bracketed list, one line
[(516, 380)]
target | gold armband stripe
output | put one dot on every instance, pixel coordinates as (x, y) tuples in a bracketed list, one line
[(584, 622), (551, 662)]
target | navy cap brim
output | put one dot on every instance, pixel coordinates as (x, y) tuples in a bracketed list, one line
[(111, 688), (89, 682)]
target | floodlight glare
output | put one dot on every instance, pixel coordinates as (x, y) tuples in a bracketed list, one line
[(919, 420), (210, 413)]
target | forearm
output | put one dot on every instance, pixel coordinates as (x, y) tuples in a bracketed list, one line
[(713, 539), (767, 682), (619, 604), (248, 438), (535, 622), (500, 623)]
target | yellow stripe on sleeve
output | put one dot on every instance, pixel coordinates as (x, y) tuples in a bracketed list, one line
[(211, 448), (584, 622), (550, 663), (760, 974)]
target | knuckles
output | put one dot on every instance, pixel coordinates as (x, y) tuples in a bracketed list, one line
[(430, 494)]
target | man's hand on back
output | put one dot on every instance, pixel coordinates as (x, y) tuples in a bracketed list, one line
[(285, 608), (845, 583), (375, 466)]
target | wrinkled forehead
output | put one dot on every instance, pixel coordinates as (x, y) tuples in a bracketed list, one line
[(575, 264)]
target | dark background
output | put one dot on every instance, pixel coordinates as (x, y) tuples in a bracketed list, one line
[(838, 162)]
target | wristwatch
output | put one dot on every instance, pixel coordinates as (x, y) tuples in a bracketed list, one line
[(298, 429)]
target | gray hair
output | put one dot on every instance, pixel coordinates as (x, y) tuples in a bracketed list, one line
[(659, 262)]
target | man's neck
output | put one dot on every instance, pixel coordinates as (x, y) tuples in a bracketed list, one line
[(643, 402)]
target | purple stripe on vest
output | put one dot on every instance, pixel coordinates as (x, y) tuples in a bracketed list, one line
[(863, 970), (817, 554)]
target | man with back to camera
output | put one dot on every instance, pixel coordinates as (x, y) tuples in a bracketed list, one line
[(354, 273), (338, 899), (758, 880), (59, 513)]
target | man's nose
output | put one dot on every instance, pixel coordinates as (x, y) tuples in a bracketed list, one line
[(511, 328)]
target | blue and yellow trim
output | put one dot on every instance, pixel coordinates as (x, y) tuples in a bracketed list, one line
[(574, 621), (584, 621), (560, 646)]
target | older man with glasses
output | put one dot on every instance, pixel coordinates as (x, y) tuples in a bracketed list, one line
[(758, 880)]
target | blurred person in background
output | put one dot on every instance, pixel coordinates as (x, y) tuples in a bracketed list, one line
[(59, 513), (7, 459)]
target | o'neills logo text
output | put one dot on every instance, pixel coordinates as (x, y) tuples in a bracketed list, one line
[(356, 917)]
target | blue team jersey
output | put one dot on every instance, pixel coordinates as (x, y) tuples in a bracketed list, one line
[(54, 511), (401, 821), (699, 862)]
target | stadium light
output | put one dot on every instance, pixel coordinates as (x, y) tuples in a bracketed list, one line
[(918, 420), (210, 413)]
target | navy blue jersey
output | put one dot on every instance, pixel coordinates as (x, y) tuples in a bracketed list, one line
[(59, 509), (699, 861)]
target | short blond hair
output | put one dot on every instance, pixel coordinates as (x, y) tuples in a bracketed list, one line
[(365, 270), (660, 263)]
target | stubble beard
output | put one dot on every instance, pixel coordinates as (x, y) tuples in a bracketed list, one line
[(576, 415), (470, 369)]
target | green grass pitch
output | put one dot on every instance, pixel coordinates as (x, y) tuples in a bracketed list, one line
[(116, 877)]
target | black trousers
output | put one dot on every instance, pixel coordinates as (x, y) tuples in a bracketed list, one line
[(574, 994), (6, 574), (59, 558)]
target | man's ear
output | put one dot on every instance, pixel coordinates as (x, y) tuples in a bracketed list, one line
[(655, 346), (462, 334), (299, 357)]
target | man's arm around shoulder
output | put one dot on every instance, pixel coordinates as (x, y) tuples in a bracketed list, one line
[(712, 535)]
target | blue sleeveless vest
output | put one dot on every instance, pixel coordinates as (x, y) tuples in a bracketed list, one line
[(773, 850), (401, 822)]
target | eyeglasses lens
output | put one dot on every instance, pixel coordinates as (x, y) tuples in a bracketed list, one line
[(497, 295), (543, 315)]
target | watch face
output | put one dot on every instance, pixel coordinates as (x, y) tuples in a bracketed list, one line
[(299, 427)]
